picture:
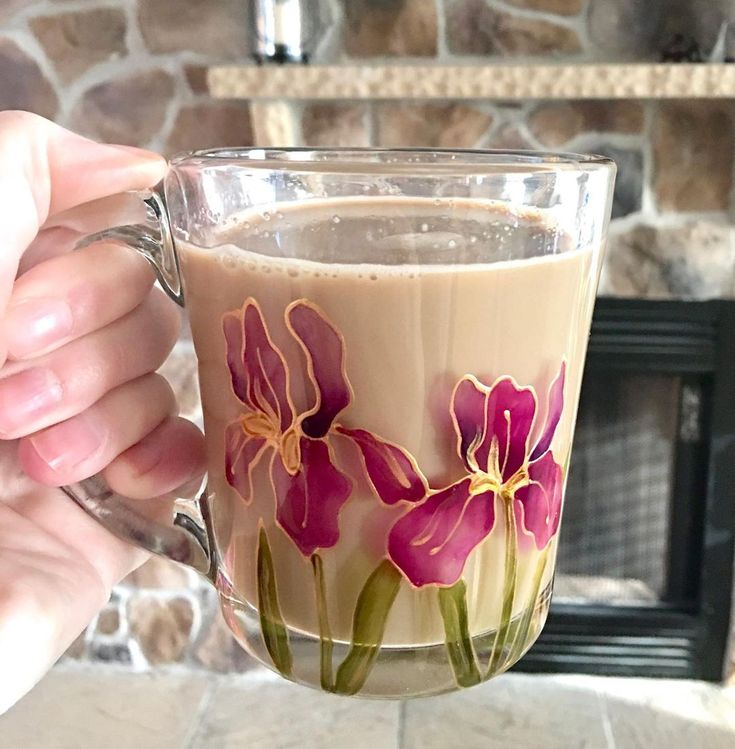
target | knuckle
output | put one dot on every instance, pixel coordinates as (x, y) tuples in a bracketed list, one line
[(163, 392), (19, 121)]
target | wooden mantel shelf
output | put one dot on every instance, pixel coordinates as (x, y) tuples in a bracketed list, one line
[(615, 81)]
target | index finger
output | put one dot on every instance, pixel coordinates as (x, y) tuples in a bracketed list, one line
[(46, 169)]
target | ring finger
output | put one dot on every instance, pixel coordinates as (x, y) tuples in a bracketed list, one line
[(83, 445), (57, 386)]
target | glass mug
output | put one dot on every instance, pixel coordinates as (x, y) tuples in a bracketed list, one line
[(390, 349)]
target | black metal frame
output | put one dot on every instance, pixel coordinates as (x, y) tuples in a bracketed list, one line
[(686, 634)]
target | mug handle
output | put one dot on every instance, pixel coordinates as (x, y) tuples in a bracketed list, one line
[(186, 541)]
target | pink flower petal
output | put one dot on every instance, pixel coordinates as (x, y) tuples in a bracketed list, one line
[(541, 499), (554, 407), (232, 327), (257, 368), (392, 471), (324, 350), (242, 454), (468, 409), (309, 502), (431, 542), (510, 413)]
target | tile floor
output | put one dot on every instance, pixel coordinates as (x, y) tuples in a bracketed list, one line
[(97, 707)]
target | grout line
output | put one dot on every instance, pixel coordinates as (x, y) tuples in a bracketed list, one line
[(651, 114), (194, 734), (442, 49), (372, 124), (537, 14), (605, 717), (180, 97), (401, 724)]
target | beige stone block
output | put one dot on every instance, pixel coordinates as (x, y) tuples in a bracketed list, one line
[(556, 123), (509, 137), (629, 29), (162, 628), (218, 28), (24, 85), (476, 28), (218, 650), (431, 125), (129, 110), (694, 146), (406, 28), (211, 125), (196, 77), (77, 40), (108, 621), (695, 260), (560, 7), (335, 124)]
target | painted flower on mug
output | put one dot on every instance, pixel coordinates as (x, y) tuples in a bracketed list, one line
[(309, 487), (432, 541), (310, 490)]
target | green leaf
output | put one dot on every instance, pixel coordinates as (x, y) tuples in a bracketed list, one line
[(274, 631), (326, 645), (368, 627), (523, 630), (453, 607), (509, 586)]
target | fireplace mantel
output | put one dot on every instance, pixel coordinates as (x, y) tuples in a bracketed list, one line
[(498, 82)]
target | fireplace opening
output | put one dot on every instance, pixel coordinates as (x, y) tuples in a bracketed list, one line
[(617, 520), (645, 562)]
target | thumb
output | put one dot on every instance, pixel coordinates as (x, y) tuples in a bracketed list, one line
[(45, 169)]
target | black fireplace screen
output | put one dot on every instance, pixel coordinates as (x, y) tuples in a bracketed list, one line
[(645, 565), (617, 519)]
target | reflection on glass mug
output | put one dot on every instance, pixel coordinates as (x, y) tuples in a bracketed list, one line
[(390, 349)]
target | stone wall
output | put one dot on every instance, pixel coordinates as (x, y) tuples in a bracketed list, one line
[(133, 71)]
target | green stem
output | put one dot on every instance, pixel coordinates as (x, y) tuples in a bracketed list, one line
[(522, 632), (453, 607), (368, 627), (326, 645), (275, 635), (509, 586)]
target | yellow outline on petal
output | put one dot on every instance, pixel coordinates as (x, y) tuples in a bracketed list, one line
[(486, 390), (310, 359), (563, 365), (479, 439), (332, 460), (409, 456), (251, 468), (240, 314)]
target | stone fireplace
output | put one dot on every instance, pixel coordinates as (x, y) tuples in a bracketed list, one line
[(136, 72)]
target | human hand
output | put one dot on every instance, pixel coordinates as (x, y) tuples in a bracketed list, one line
[(81, 336)]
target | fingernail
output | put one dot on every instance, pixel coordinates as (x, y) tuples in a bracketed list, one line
[(26, 396), (33, 325), (66, 445)]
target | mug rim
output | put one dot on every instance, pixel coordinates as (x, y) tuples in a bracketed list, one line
[(408, 161)]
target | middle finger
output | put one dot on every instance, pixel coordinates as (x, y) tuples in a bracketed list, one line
[(57, 386)]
